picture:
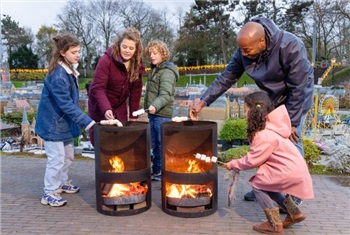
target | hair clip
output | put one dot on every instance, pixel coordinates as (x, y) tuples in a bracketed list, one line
[(258, 106)]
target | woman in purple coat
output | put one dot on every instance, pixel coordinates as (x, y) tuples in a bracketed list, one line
[(116, 89), (281, 168)]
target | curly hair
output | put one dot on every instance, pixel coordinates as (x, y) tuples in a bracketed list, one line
[(161, 47), (61, 42), (134, 35), (260, 105)]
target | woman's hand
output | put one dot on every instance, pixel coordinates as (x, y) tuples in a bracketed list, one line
[(109, 115)]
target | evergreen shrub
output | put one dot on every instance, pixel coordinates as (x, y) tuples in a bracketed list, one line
[(312, 154), (234, 129)]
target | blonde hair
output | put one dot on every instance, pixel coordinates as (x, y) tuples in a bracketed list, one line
[(161, 47), (61, 42), (134, 35)]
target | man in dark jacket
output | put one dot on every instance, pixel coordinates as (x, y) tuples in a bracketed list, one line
[(278, 63)]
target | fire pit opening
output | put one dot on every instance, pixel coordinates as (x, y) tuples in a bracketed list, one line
[(122, 168), (189, 185)]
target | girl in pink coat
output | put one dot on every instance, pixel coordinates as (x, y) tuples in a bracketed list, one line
[(281, 168)]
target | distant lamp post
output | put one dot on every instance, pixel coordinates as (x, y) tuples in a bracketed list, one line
[(333, 60)]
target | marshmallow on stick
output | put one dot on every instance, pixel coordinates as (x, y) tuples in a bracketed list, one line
[(179, 119), (139, 112), (111, 122), (206, 158)]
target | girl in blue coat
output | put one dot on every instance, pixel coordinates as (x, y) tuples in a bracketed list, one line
[(59, 118)]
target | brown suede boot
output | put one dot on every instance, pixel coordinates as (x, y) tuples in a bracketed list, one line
[(273, 225), (294, 214)]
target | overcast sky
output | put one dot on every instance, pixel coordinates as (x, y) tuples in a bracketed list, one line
[(35, 13)]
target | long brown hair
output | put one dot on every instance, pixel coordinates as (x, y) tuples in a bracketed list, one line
[(61, 42), (260, 105), (134, 35)]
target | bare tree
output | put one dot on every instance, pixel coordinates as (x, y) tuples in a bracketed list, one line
[(106, 16), (152, 24), (75, 19), (333, 27)]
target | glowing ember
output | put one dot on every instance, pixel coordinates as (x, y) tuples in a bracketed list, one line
[(189, 191), (118, 190)]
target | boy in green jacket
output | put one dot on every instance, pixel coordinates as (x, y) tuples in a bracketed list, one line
[(159, 97)]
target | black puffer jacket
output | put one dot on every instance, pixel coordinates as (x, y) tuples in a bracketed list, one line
[(282, 70)]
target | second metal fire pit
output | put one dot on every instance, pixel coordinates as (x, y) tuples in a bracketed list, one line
[(189, 185)]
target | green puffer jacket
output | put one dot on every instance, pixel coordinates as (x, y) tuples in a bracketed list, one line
[(160, 88)]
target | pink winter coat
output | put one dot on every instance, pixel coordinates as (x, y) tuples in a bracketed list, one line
[(281, 167)]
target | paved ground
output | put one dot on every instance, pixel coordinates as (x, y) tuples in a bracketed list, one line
[(22, 213)]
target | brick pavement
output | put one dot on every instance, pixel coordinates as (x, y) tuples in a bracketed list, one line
[(22, 213)]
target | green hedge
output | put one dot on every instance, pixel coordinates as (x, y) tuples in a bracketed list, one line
[(234, 129), (338, 77)]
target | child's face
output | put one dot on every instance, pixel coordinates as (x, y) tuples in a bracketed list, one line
[(72, 55), (155, 56), (246, 110), (127, 49)]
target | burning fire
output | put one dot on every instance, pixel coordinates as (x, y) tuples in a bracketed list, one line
[(189, 191), (118, 190)]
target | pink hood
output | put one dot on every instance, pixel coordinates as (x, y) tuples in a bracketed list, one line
[(278, 121)]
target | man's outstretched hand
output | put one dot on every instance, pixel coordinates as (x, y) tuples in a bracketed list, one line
[(197, 106), (294, 137)]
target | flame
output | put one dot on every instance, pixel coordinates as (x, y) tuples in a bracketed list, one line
[(189, 191), (193, 167), (118, 190), (117, 164)]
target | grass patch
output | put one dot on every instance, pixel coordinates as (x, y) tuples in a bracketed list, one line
[(320, 170)]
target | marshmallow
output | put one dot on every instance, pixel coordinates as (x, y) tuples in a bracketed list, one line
[(203, 157), (138, 112), (179, 119), (198, 156), (214, 159), (111, 122), (207, 159)]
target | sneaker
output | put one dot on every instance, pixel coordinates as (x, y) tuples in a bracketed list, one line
[(157, 176), (250, 196), (53, 199), (68, 188)]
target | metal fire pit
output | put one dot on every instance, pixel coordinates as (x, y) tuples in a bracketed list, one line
[(180, 142), (129, 143)]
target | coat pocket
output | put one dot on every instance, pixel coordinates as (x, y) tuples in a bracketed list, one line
[(62, 125)]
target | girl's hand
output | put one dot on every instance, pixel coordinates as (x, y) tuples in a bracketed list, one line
[(228, 166)]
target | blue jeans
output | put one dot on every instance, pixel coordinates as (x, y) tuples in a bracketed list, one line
[(60, 157), (155, 122), (266, 198)]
